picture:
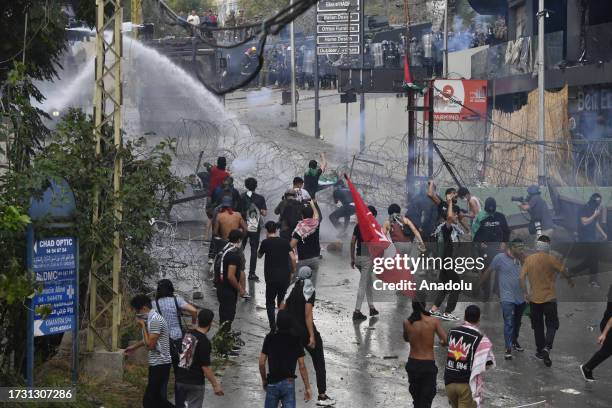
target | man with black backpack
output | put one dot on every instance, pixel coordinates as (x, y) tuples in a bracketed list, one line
[(228, 267), (290, 212), (253, 209), (194, 363)]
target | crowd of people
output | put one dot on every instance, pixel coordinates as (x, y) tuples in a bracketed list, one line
[(523, 278)]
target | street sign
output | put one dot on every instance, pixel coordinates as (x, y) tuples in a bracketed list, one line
[(55, 265), (337, 39), (337, 18), (337, 5), (337, 28), (337, 50)]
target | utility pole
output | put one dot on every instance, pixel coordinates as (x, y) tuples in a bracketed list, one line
[(317, 112), (362, 124), (430, 128), (542, 14), (107, 98), (445, 60), (293, 122)]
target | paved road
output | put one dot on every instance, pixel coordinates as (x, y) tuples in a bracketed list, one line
[(365, 362)]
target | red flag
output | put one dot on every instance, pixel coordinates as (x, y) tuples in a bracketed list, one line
[(407, 74), (377, 242)]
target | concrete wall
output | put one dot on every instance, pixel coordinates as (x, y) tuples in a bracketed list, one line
[(386, 122), (460, 62)]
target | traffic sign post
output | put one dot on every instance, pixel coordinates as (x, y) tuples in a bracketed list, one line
[(339, 27), (54, 309), (336, 5)]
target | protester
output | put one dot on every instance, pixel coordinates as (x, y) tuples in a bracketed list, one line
[(300, 303), (447, 234), (157, 341), (541, 270), (473, 202), (342, 197), (225, 221), (218, 173), (290, 213), (253, 209), (305, 238), (360, 257), (402, 231), (312, 175), (588, 246), (280, 264), (604, 340), (171, 308), (540, 222), (423, 212), (470, 354), (226, 189), (420, 330), (193, 18), (229, 283), (301, 193), (507, 267), (213, 18), (228, 220), (489, 231), (282, 351), (194, 364)]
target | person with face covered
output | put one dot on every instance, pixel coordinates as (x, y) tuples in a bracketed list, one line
[(299, 302), (540, 218), (489, 231), (541, 269), (590, 232), (447, 236)]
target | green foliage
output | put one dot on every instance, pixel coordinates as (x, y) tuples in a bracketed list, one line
[(24, 127), (148, 186), (185, 6), (223, 341), (45, 37), (256, 10)]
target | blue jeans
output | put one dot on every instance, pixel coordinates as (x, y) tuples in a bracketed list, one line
[(513, 313), (281, 391)]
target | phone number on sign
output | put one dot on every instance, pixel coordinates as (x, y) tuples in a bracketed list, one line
[(36, 394)]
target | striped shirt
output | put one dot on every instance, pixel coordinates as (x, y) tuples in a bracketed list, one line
[(156, 324), (167, 308)]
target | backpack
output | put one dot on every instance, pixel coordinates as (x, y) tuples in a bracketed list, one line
[(190, 342), (218, 263), (291, 214), (251, 214)]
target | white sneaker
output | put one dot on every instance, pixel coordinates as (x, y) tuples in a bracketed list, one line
[(449, 316), (325, 401)]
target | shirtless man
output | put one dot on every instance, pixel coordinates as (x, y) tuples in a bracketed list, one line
[(228, 220), (225, 222), (419, 330)]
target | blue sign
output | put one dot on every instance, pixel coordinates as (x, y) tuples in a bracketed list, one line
[(54, 264)]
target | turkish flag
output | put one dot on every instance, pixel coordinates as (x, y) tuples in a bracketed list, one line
[(378, 243)]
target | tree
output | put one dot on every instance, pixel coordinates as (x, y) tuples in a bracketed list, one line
[(148, 188), (256, 10), (44, 38), (185, 6)]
